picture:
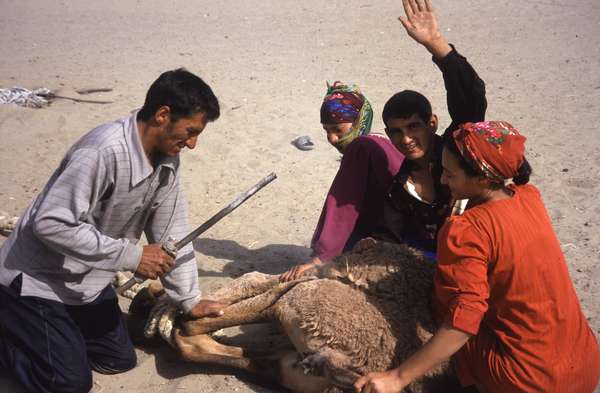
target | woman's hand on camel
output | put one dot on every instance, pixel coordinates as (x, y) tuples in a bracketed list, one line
[(296, 272), (299, 270), (421, 24)]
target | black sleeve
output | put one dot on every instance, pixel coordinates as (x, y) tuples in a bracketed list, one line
[(465, 91)]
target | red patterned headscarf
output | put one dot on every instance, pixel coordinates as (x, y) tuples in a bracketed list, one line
[(495, 148)]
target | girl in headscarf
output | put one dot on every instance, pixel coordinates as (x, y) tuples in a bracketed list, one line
[(354, 205), (345, 114), (508, 313)]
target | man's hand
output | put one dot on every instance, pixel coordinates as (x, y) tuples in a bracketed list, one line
[(421, 24), (297, 271), (155, 262), (207, 308), (382, 382)]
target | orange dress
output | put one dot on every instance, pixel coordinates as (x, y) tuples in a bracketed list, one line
[(503, 278)]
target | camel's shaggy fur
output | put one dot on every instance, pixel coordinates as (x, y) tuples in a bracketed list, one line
[(365, 311)]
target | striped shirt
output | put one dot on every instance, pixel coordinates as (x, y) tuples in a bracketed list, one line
[(85, 224)]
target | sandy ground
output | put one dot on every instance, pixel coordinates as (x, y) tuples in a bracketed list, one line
[(268, 61)]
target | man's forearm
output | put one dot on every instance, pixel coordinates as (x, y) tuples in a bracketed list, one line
[(181, 283)]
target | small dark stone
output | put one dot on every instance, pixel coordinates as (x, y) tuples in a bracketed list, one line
[(565, 169)]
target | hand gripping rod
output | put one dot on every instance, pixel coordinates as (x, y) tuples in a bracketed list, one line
[(171, 247)]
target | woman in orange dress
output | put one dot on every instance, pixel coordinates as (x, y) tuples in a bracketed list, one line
[(509, 315)]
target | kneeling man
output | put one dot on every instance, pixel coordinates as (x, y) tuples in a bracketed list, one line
[(59, 317)]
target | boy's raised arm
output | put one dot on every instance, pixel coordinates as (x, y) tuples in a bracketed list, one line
[(465, 91)]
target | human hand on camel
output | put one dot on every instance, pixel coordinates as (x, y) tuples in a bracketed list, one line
[(380, 382), (299, 270), (421, 24), (304, 269)]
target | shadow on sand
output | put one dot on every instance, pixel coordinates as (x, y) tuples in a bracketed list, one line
[(270, 259)]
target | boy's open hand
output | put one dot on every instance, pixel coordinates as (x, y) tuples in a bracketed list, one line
[(421, 24)]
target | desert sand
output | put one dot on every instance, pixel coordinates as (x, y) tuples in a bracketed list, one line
[(268, 62)]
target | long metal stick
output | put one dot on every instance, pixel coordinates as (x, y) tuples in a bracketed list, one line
[(209, 223), (225, 211)]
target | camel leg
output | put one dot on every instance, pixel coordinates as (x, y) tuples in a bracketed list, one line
[(252, 310), (244, 287), (333, 366), (293, 376), (204, 349), (282, 367)]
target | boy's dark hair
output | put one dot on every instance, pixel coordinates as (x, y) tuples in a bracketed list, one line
[(406, 103), (184, 93), (522, 177)]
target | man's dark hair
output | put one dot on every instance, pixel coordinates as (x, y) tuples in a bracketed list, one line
[(406, 103), (184, 93)]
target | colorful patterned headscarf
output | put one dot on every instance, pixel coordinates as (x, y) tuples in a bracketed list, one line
[(346, 104), (493, 147)]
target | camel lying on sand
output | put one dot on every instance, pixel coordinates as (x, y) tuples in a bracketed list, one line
[(365, 311)]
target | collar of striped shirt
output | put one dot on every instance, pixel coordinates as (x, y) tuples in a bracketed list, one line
[(141, 168)]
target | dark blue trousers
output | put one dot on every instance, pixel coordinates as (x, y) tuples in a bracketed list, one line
[(52, 347)]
